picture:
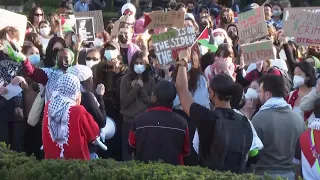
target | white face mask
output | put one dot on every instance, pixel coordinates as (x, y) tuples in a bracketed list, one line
[(45, 31), (189, 67), (91, 63), (297, 81), (219, 40), (98, 42), (74, 38), (139, 68), (251, 94)]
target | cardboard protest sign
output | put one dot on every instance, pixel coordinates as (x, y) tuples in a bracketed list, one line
[(97, 18), (261, 50), (303, 24), (85, 28), (160, 19), (8, 18), (252, 25), (165, 42)]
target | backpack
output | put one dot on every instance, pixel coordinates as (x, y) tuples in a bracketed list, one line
[(288, 84), (231, 143)]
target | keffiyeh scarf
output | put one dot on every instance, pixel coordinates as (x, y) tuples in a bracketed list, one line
[(274, 103), (314, 123), (222, 65), (59, 108)]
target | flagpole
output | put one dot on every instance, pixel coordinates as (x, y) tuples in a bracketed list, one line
[(199, 36)]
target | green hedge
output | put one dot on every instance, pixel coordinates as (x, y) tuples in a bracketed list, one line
[(16, 166)]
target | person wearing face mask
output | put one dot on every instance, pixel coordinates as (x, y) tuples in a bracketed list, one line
[(11, 111), (198, 88), (223, 62), (277, 15), (100, 40), (232, 31), (32, 134), (67, 127), (221, 91), (54, 45), (93, 57), (226, 18), (135, 92), (45, 34), (48, 77), (109, 72), (220, 36), (303, 81), (252, 100), (127, 48)]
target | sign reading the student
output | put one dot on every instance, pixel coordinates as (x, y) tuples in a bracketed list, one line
[(261, 50), (8, 18), (160, 19), (252, 25), (97, 18), (165, 42), (303, 24), (85, 28)]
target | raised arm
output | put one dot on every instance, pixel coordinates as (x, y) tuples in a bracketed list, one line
[(35, 74), (185, 97)]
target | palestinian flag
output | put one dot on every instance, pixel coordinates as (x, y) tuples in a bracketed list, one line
[(203, 39), (67, 22)]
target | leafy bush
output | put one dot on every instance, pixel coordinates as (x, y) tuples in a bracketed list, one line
[(17, 166)]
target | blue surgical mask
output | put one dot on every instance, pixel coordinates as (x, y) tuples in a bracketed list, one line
[(110, 54), (139, 68), (34, 59), (189, 67)]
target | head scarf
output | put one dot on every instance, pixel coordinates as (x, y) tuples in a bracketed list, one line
[(316, 62), (281, 64), (222, 65), (59, 109), (82, 72)]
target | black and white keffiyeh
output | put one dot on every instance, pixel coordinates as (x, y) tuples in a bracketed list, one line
[(67, 91), (53, 76), (81, 71)]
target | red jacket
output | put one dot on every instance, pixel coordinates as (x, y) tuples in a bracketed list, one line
[(82, 131), (292, 101)]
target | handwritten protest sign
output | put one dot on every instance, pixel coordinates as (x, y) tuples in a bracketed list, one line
[(165, 42), (303, 24), (261, 50), (8, 18), (97, 18), (160, 19), (252, 25)]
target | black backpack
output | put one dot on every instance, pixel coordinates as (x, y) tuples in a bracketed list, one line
[(288, 84), (231, 143)]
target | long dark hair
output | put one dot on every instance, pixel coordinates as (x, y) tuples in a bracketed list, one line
[(195, 72), (133, 75), (51, 54), (32, 13)]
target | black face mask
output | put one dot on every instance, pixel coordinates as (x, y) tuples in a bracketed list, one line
[(54, 54), (232, 36), (202, 26), (190, 10), (172, 6), (62, 66), (123, 39), (226, 20), (152, 53)]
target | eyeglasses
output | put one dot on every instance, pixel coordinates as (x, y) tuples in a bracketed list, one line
[(38, 14), (92, 58)]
